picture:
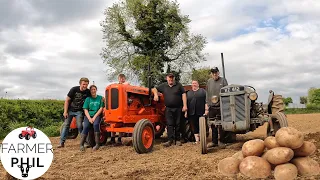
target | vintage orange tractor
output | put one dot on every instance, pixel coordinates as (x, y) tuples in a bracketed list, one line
[(130, 109)]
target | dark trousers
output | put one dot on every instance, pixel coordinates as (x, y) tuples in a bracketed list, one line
[(194, 121), (87, 125), (214, 112), (182, 126), (173, 116)]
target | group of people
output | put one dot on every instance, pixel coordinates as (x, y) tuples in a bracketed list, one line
[(192, 104), (86, 106)]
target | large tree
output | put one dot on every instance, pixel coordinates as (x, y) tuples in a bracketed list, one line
[(137, 32)]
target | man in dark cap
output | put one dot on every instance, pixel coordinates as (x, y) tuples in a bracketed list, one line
[(175, 100), (214, 84)]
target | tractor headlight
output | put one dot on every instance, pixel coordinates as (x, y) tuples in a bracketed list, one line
[(214, 99), (253, 96)]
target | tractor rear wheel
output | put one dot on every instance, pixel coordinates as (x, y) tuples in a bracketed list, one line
[(277, 104), (203, 135), (143, 136), (72, 133), (279, 120)]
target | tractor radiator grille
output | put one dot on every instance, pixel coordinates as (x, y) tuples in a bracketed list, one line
[(226, 114), (107, 99), (239, 108)]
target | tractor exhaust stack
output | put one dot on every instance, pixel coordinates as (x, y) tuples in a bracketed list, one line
[(224, 75)]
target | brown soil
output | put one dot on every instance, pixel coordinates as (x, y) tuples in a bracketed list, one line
[(184, 162)]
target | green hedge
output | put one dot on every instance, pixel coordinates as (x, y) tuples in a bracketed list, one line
[(311, 108), (41, 114)]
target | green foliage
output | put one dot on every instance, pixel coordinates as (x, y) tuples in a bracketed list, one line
[(201, 75), (314, 97), (302, 110), (37, 113), (52, 130), (287, 100), (303, 100), (137, 32)]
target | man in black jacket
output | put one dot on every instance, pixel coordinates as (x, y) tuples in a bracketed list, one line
[(175, 100)]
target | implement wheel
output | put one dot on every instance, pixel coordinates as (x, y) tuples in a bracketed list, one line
[(279, 120), (143, 136), (203, 135)]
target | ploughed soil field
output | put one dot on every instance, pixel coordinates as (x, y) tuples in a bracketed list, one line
[(175, 162)]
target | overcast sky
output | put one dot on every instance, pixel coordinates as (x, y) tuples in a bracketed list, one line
[(47, 46)]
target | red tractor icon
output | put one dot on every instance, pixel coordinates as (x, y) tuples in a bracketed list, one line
[(28, 133)]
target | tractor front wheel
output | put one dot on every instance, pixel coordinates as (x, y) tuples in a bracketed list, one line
[(279, 120), (203, 135), (143, 136), (27, 137)]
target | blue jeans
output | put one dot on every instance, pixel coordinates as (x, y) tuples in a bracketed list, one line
[(87, 125), (67, 122)]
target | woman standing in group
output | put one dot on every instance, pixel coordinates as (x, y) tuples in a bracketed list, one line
[(92, 107), (196, 100)]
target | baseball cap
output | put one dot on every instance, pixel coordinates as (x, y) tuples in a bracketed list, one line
[(170, 74), (214, 69)]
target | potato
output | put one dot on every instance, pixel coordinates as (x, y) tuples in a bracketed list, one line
[(306, 166), (264, 155), (238, 155), (253, 147), (279, 155), (307, 149), (271, 142), (255, 167), (229, 166), (289, 137), (286, 171)]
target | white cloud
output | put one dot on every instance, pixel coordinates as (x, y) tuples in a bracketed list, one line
[(46, 48)]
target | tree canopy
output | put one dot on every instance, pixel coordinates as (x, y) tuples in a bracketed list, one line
[(202, 75), (314, 96), (138, 31), (287, 100)]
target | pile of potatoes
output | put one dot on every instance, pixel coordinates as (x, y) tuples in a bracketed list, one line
[(284, 156)]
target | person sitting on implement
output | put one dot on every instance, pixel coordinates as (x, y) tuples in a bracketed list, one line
[(93, 107)]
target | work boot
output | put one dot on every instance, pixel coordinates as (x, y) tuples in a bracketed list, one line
[(61, 145), (167, 144), (183, 140), (97, 140), (178, 143), (82, 140)]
